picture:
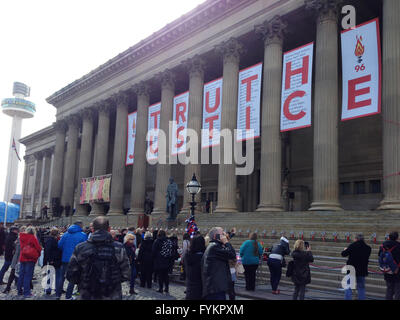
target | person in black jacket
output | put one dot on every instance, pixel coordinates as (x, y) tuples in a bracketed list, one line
[(358, 253), (129, 244), (145, 260), (9, 251), (301, 270), (3, 235), (175, 254), (194, 287), (162, 253), (216, 275), (52, 256), (275, 262), (392, 280)]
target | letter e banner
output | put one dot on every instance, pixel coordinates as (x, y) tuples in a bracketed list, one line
[(296, 88), (361, 63)]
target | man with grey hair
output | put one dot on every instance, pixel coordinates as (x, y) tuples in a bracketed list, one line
[(216, 276), (358, 253)]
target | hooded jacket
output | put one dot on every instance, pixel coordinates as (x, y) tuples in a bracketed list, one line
[(10, 246), (70, 240), (29, 240), (78, 267), (301, 270), (216, 275), (280, 249)]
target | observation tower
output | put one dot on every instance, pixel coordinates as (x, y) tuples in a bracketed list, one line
[(18, 108)]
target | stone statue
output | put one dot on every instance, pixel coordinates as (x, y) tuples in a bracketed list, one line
[(172, 194)]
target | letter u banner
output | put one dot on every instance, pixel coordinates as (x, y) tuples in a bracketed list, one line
[(361, 63), (296, 88), (212, 105)]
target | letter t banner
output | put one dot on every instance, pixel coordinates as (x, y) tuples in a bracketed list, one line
[(249, 94), (361, 69), (296, 88)]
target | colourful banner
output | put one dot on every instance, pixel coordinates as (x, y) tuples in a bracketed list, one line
[(361, 69), (296, 88), (153, 126), (212, 105), (95, 189), (130, 142), (180, 118), (249, 94)]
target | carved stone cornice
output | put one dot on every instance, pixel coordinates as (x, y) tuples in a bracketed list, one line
[(204, 15), (60, 125), (230, 50), (272, 31), (28, 158), (324, 9), (47, 153), (195, 66), (142, 89), (166, 79)]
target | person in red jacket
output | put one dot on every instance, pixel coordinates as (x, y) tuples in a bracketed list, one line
[(30, 253)]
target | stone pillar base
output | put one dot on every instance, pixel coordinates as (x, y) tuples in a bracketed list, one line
[(97, 210), (325, 206), (269, 208), (115, 212), (389, 205), (225, 210)]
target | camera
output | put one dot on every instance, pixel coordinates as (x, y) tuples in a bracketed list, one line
[(306, 245)]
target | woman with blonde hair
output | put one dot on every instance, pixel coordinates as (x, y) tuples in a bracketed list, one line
[(301, 270), (30, 253), (129, 244)]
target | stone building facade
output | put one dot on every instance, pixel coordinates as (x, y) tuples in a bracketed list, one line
[(331, 165)]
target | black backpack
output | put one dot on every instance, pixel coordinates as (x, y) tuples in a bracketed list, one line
[(99, 273), (166, 249)]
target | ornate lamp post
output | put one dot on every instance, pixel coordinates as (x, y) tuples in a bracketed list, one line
[(193, 187)]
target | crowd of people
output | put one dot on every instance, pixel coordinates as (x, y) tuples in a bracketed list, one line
[(96, 260)]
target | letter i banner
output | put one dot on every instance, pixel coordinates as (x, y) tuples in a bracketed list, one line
[(361, 69), (180, 118), (212, 105), (296, 88), (249, 94), (153, 125), (130, 142)]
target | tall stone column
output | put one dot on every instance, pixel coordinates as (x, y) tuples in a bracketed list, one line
[(118, 168), (326, 160), (164, 170), (101, 152), (391, 104), (272, 32), (45, 161), (230, 51), (70, 162), (85, 157), (195, 68), (37, 156), (50, 177), (138, 184), (24, 186), (58, 166)]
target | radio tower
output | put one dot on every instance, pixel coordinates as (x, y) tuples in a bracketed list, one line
[(18, 108)]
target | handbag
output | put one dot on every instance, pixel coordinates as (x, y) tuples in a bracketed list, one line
[(239, 268)]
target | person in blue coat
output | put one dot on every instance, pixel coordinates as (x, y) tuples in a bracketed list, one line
[(251, 252), (67, 244)]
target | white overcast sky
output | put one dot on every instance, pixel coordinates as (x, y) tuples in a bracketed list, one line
[(48, 44)]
